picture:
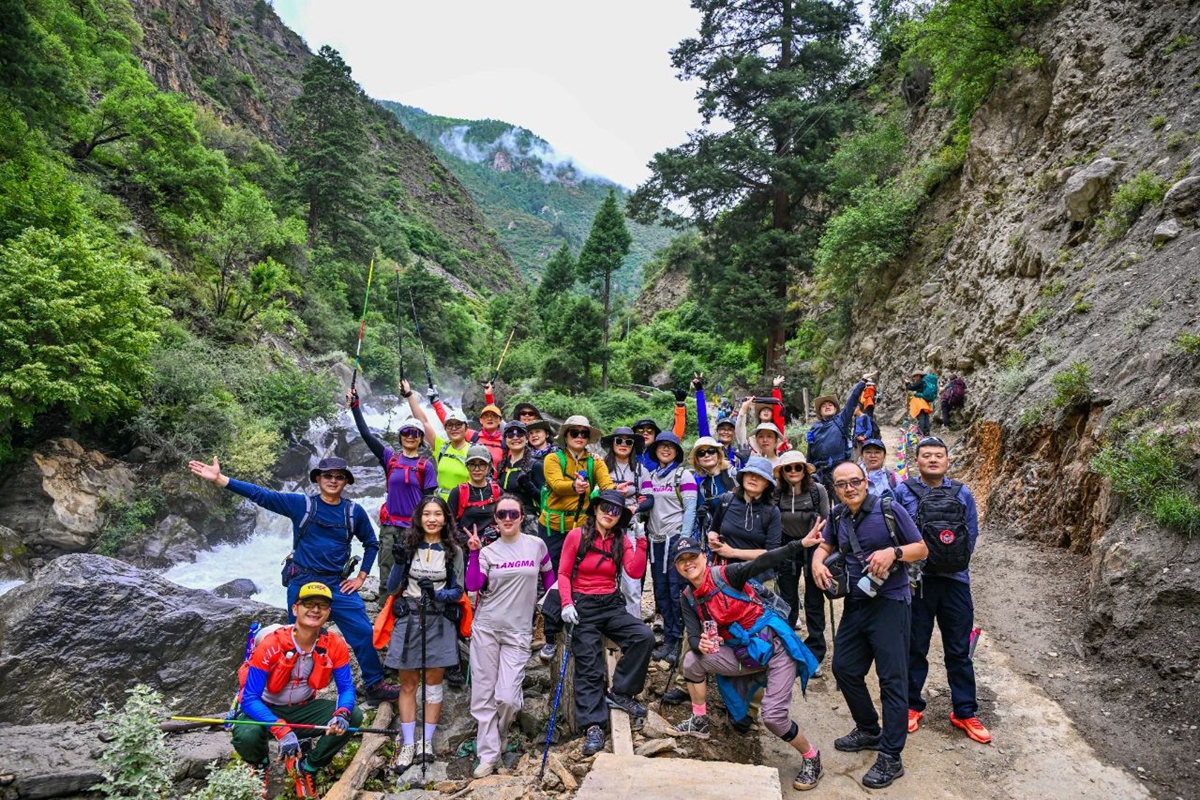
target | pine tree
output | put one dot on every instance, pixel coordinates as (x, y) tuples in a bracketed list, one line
[(329, 145), (557, 279), (606, 247), (777, 73)]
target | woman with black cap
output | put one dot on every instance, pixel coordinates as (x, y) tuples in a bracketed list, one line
[(622, 450), (592, 557), (520, 473)]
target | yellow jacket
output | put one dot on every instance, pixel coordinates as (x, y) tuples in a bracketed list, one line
[(564, 510)]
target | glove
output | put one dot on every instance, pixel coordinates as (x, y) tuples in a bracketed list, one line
[(646, 504), (570, 615), (433, 395), (680, 395), (426, 586), (352, 399), (697, 382), (289, 746), (339, 723)]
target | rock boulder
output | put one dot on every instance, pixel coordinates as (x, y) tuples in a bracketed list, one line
[(1089, 187), (240, 588), (1183, 198), (87, 628), (172, 541)]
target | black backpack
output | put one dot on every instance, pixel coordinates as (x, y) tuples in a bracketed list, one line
[(942, 519)]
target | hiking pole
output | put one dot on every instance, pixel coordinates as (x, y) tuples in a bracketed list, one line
[(562, 674), (235, 706), (420, 341), (399, 325), (424, 688), (362, 326), (975, 634), (207, 721), (832, 623), (499, 364), (670, 678)]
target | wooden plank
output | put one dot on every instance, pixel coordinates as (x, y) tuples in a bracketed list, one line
[(355, 775), (618, 721)]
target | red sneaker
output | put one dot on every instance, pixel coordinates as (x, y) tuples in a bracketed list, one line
[(914, 720), (304, 780), (971, 726)]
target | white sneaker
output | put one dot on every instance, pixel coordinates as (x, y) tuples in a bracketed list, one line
[(484, 769), (405, 758), (428, 754)]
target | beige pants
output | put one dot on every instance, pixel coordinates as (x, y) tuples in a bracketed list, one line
[(497, 671)]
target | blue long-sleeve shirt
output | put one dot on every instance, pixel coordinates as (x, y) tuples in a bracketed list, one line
[(908, 498), (253, 705), (702, 413), (828, 440), (325, 548)]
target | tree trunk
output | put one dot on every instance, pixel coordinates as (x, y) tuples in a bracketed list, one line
[(607, 308), (781, 206)]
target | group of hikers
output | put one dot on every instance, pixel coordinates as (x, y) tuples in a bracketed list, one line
[(523, 536)]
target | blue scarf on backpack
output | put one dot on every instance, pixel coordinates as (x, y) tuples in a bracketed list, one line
[(737, 691)]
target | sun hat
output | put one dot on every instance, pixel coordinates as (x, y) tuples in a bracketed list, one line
[(577, 421), (329, 464), (523, 407), (541, 425), (666, 437), (757, 465), (793, 457), (617, 499), (638, 443), (766, 426), (646, 422), (822, 400)]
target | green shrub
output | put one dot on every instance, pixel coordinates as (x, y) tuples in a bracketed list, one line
[(1129, 200), (870, 233), (1188, 343), (1027, 323), (234, 781), (1178, 43), (1030, 417), (618, 406), (1151, 469), (1013, 380), (869, 155), (1072, 386), (127, 522), (136, 762), (1157, 123)]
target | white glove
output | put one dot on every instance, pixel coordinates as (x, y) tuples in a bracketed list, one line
[(570, 615)]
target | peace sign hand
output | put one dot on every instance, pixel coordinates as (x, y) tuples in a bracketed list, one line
[(473, 542)]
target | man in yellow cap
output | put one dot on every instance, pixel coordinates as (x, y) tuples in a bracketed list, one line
[(290, 664)]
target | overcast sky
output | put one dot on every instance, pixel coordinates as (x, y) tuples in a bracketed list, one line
[(594, 80)]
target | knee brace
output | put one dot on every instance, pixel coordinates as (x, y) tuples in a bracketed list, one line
[(433, 694), (790, 733)]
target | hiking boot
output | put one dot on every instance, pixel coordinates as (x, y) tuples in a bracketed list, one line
[(382, 692), (742, 725), (695, 725), (455, 677), (856, 740), (484, 769), (971, 726), (885, 770), (657, 626), (593, 740), (668, 652), (675, 697), (627, 704), (809, 774), (539, 632), (404, 759), (914, 720), (546, 654)]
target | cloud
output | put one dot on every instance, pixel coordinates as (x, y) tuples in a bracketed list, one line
[(524, 147)]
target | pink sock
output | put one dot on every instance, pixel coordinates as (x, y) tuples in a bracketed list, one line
[(812, 752), (699, 710)]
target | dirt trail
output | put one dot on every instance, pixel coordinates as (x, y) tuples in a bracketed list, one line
[(1037, 750)]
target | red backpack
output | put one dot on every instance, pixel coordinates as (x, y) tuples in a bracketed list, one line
[(465, 502)]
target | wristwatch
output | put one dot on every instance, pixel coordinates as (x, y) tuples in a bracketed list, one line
[(899, 553)]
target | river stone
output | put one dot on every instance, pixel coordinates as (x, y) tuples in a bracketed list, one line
[(171, 542), (1184, 197), (238, 588), (87, 628), (1088, 187), (57, 500)]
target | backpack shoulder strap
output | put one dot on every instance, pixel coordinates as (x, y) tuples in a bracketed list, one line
[(475, 437), (464, 497), (916, 487), (309, 515), (719, 516), (889, 519), (495, 491), (816, 498)]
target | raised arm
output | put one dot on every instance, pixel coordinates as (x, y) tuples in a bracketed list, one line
[(701, 408), (373, 444), (414, 406), (739, 425), (738, 572), (777, 412)]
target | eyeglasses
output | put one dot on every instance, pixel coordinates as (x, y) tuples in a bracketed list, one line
[(312, 602), (625, 440), (514, 434), (579, 433), (612, 509), (508, 513), (706, 452), (335, 476), (478, 465), (853, 483), (454, 425), (794, 468)]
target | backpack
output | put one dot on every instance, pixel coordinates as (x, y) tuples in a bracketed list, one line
[(954, 393), (763, 597), (942, 519), (290, 570), (446, 449), (562, 459), (929, 391), (465, 501), (419, 468)]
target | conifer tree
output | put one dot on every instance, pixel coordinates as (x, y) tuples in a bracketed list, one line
[(557, 279), (606, 247)]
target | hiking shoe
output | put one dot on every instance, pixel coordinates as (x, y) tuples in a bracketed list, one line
[(404, 759), (484, 769), (742, 725), (657, 626), (914, 720), (546, 654), (675, 697), (428, 754), (695, 725), (455, 677), (856, 740), (382, 692), (667, 652), (302, 777), (885, 770), (593, 740), (627, 704), (809, 774), (970, 725), (817, 673)]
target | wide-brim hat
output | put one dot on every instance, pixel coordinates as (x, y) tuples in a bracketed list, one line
[(614, 497), (667, 437), (522, 407), (701, 443), (327, 464), (639, 444), (757, 465), (917, 373), (541, 425), (822, 400), (578, 421), (793, 457), (768, 427)]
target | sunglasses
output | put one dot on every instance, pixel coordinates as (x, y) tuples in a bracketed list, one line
[(612, 509), (508, 513), (335, 476), (313, 603), (514, 434), (794, 468), (625, 440), (644, 431), (524, 415), (411, 433), (854, 483), (706, 452), (579, 433)]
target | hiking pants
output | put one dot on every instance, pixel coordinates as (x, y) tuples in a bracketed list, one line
[(814, 610), (250, 741), (945, 414), (497, 671), (554, 544), (788, 576), (948, 602), (668, 586), (387, 540), (349, 613), (780, 674), (875, 630), (599, 616), (923, 423)]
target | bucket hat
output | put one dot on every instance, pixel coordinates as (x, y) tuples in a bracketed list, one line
[(329, 464), (757, 465), (666, 437), (794, 457), (617, 499)]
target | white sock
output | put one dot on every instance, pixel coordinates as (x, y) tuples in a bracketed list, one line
[(409, 731)]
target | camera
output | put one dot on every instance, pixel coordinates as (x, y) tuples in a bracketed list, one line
[(869, 585)]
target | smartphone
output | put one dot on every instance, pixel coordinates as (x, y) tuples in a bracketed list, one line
[(710, 628)]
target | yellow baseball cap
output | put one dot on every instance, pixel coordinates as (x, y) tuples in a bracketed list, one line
[(314, 589)]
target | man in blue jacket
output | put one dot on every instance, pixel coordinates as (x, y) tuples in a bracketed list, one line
[(321, 549), (829, 437), (940, 505)]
